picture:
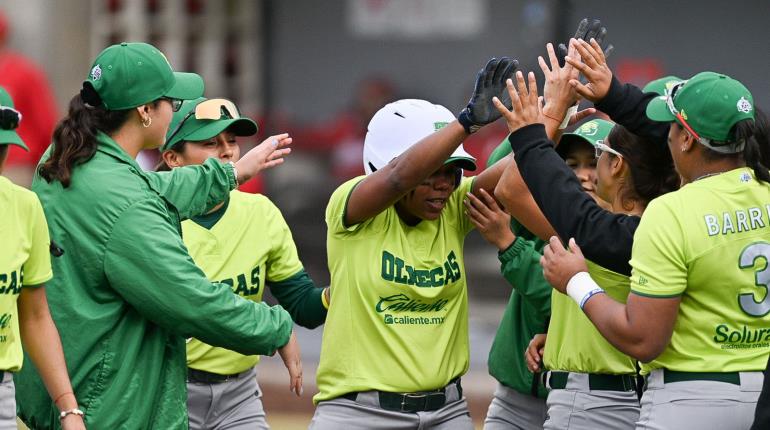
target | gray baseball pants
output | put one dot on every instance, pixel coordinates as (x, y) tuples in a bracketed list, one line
[(699, 405), (7, 402), (230, 405), (576, 407), (512, 410), (365, 413)]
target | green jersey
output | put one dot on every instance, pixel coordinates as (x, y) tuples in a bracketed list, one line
[(398, 320), (574, 344), (24, 260), (248, 245), (709, 243)]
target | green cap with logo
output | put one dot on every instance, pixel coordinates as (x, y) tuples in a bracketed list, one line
[(193, 129), (710, 103), (132, 74), (9, 120), (592, 132), (660, 86)]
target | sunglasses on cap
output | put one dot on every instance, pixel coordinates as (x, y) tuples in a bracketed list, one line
[(209, 109), (670, 93), (599, 147)]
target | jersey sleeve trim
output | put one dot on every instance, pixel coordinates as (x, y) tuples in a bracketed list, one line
[(345, 209), (656, 296)]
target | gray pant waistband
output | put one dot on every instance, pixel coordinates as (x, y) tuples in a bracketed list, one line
[(372, 397)]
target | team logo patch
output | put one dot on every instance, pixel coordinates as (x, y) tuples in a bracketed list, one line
[(96, 73), (439, 125), (744, 105), (590, 128)]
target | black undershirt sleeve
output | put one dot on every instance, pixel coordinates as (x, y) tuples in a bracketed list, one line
[(604, 237), (626, 104)]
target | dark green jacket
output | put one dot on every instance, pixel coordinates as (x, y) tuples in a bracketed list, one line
[(528, 308), (126, 294), (525, 315)]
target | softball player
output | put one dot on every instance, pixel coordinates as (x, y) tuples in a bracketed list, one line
[(695, 319), (519, 400), (592, 384), (25, 265), (396, 340), (243, 242), (126, 292)]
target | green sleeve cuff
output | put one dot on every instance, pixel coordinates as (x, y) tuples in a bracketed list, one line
[(301, 298), (512, 251)]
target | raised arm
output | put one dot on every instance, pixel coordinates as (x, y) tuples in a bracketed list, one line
[(607, 237), (194, 190), (624, 103), (381, 189)]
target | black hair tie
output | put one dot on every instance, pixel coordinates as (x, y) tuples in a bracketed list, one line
[(89, 95), (9, 118)]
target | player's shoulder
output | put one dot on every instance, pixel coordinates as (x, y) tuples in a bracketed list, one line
[(342, 192), (19, 196), (253, 203)]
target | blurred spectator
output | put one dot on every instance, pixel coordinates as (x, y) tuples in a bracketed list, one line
[(29, 88), (342, 138)]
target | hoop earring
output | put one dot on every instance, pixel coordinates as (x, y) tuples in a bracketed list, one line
[(147, 123)]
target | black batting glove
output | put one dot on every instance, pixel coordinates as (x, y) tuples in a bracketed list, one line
[(490, 82), (587, 30)]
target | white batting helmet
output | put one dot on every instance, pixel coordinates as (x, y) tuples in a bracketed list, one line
[(401, 124)]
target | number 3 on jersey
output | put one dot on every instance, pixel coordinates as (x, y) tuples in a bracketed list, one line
[(748, 260)]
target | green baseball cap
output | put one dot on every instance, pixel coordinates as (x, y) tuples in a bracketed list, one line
[(9, 121), (591, 132), (132, 74), (660, 86), (708, 103), (186, 127)]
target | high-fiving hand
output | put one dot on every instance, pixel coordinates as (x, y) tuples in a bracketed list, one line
[(525, 104), (593, 65), (490, 83)]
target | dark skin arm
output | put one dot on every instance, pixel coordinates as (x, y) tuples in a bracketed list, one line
[(386, 186), (641, 328)]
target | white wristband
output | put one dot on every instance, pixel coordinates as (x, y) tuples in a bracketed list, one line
[(571, 111), (581, 288)]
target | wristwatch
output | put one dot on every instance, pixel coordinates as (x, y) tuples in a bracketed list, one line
[(74, 411)]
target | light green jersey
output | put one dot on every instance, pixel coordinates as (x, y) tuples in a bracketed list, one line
[(574, 344), (248, 245), (709, 243), (398, 319), (24, 260)]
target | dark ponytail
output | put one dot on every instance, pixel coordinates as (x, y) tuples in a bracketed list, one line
[(651, 167), (758, 158), (75, 136), (749, 131)]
